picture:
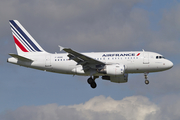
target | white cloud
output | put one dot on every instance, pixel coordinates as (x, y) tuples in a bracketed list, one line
[(169, 108), (101, 108), (129, 108)]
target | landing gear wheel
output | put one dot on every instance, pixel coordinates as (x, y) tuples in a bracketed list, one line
[(90, 80), (93, 85), (146, 82), (146, 76)]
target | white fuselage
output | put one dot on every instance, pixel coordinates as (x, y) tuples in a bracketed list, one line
[(113, 66), (134, 62)]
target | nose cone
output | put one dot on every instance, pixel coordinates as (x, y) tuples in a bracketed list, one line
[(169, 64)]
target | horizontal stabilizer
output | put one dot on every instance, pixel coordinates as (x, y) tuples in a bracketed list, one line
[(20, 57)]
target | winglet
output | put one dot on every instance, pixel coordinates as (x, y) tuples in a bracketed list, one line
[(61, 48)]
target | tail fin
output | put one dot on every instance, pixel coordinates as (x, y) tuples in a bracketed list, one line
[(24, 42)]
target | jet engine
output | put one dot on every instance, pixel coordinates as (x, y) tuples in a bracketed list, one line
[(115, 69)]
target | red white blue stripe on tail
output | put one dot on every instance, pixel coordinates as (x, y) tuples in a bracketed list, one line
[(23, 40)]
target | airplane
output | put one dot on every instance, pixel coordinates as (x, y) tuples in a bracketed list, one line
[(112, 66)]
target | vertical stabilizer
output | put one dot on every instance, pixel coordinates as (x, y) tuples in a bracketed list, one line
[(24, 42)]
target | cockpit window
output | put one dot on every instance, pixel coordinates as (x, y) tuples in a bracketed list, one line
[(159, 57)]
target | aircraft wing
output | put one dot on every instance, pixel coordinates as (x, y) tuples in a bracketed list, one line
[(81, 58)]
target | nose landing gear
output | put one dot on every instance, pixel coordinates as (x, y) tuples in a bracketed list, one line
[(92, 82), (146, 81)]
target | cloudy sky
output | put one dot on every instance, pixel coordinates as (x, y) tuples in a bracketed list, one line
[(91, 25)]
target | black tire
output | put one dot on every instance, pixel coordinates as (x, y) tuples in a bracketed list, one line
[(146, 82), (93, 85), (90, 80)]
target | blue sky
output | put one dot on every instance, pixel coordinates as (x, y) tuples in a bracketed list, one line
[(95, 25)]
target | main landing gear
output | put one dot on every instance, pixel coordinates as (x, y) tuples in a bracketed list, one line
[(92, 82), (146, 81)]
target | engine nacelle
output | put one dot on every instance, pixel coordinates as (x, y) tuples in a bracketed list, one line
[(111, 70), (117, 79)]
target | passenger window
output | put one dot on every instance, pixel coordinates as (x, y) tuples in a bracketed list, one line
[(156, 57)]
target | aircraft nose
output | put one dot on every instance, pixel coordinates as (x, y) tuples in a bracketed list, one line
[(169, 64)]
